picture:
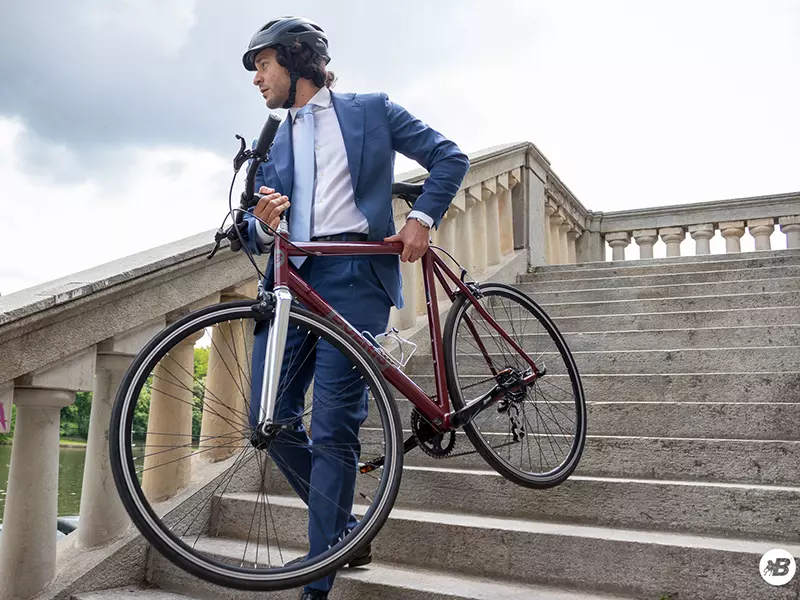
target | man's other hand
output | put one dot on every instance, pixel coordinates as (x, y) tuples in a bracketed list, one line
[(270, 207), (415, 238)]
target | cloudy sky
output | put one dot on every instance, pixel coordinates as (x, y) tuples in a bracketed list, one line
[(117, 116)]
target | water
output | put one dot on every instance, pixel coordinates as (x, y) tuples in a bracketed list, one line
[(70, 478)]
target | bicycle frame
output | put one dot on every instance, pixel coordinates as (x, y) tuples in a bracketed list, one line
[(287, 282)]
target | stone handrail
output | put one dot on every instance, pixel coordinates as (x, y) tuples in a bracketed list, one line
[(80, 333), (701, 221)]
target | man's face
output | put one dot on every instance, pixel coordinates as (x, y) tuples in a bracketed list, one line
[(271, 79)]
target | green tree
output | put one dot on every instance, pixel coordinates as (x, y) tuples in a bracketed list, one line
[(75, 417), (200, 372)]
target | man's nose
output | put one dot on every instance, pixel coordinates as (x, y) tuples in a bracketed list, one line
[(257, 79)]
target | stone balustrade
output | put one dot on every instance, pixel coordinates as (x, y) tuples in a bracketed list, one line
[(759, 216)]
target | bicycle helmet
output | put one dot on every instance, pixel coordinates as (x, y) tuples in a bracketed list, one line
[(285, 31)]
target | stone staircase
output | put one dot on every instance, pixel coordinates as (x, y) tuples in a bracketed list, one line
[(691, 470)]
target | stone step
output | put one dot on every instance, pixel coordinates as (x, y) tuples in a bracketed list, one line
[(752, 260), (717, 420), (379, 581), (677, 319), (760, 386), (587, 556), (691, 506), (542, 283), (769, 462), (624, 362), (707, 337), (671, 305), (755, 286)]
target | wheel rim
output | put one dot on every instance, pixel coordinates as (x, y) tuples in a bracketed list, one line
[(266, 527), (536, 432)]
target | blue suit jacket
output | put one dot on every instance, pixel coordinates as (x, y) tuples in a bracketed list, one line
[(373, 128)]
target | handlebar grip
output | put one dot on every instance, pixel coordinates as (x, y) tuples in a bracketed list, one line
[(267, 136)]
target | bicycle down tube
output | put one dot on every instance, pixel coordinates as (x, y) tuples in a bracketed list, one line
[(286, 280)]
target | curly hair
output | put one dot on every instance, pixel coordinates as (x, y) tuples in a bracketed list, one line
[(307, 63)]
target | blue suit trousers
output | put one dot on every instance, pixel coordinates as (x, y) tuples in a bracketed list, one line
[(323, 472)]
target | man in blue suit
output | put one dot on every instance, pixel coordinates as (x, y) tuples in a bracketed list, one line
[(333, 162)]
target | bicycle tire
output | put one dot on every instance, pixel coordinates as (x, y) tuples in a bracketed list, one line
[(457, 387), (176, 550)]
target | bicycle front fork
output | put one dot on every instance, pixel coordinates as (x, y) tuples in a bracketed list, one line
[(273, 360)]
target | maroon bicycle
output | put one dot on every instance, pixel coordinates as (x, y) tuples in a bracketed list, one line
[(501, 372)]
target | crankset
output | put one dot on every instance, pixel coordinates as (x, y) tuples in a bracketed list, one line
[(434, 443)]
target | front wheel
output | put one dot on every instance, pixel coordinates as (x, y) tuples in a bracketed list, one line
[(232, 506), (533, 436)]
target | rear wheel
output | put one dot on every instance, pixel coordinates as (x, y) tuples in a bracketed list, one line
[(206, 492), (533, 436)]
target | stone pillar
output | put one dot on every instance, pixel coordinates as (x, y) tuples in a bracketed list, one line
[(103, 518), (672, 237), (549, 211), (791, 227), (167, 466), (227, 392), (563, 229), (702, 235), (555, 239), (618, 241), (505, 211), (572, 242), (444, 237), (492, 230), (732, 231), (464, 243), (407, 316), (645, 239), (28, 546), (761, 229), (476, 209)]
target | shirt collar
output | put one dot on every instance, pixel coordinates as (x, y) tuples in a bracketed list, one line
[(321, 98)]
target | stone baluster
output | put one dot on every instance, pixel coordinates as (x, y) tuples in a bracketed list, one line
[(618, 242), (491, 202), (505, 183), (477, 212), (167, 462), (761, 230), (445, 237), (102, 516), (28, 546), (572, 242), (791, 227), (563, 230), (645, 239), (226, 399), (702, 234), (672, 237), (465, 242), (732, 231), (549, 211), (556, 220)]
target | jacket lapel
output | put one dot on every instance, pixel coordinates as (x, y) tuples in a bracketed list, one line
[(350, 113), (284, 158)]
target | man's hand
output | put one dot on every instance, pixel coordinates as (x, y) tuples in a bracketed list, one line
[(270, 207), (415, 238)]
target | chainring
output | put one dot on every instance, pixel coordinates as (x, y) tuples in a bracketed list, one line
[(430, 440)]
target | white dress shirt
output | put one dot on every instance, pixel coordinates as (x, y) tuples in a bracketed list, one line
[(335, 209)]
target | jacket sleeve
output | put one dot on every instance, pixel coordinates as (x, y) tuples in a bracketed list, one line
[(445, 161)]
